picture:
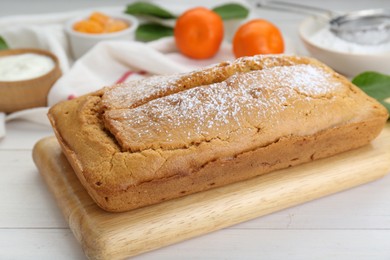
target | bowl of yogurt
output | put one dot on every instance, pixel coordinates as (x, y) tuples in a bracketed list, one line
[(26, 76), (348, 58)]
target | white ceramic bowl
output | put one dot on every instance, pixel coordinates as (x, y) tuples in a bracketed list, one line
[(80, 42), (349, 64)]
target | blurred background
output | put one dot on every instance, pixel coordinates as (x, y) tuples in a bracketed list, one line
[(288, 22)]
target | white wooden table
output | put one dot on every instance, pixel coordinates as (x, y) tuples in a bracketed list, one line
[(354, 224)]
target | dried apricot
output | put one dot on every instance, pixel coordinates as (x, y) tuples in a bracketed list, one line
[(115, 26), (100, 23), (100, 18), (88, 27)]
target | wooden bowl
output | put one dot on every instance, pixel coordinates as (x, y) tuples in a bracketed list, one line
[(23, 94)]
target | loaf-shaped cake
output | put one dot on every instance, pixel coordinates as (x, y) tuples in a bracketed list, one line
[(144, 142)]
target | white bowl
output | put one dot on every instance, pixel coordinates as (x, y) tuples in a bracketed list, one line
[(345, 62), (80, 42)]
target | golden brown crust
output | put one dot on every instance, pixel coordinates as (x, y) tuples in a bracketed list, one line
[(257, 115)]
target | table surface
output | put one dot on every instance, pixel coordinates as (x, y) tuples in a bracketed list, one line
[(353, 224)]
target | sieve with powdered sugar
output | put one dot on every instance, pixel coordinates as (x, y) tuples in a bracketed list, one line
[(365, 27)]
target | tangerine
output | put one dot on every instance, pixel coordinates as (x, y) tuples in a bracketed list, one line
[(199, 33), (257, 36)]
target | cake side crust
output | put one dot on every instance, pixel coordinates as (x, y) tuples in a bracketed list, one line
[(282, 153), (120, 180)]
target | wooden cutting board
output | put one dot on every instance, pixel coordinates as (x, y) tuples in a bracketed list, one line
[(106, 235)]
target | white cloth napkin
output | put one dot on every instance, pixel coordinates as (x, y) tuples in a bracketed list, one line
[(114, 62)]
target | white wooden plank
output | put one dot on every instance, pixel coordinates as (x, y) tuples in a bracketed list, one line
[(224, 244), (41, 244), (23, 135), (26, 201), (281, 244), (363, 207)]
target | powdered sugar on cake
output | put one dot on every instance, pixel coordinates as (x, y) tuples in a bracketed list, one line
[(136, 93), (223, 111)]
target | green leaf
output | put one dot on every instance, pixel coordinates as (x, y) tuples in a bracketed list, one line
[(148, 9), (152, 31), (375, 85), (3, 44), (231, 11)]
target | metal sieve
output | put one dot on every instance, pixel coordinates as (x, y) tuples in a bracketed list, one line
[(366, 27)]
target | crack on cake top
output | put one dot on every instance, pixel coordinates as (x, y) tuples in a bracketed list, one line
[(227, 110)]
